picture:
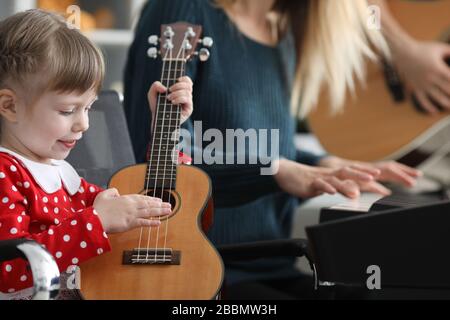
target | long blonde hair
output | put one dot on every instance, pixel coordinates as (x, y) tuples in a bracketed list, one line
[(332, 41)]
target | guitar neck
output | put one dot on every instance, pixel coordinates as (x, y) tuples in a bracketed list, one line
[(163, 160)]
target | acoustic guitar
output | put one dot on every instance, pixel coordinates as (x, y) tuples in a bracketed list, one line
[(382, 121), (176, 260)]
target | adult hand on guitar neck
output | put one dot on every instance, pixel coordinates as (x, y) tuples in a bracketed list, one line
[(422, 65), (306, 181), (389, 171), (122, 213), (179, 94)]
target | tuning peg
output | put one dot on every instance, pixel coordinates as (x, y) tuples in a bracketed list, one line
[(152, 53), (169, 32), (207, 42), (153, 40), (190, 32), (187, 45), (168, 44), (204, 54)]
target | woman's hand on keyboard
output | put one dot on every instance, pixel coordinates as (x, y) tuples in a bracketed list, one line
[(306, 181), (390, 171)]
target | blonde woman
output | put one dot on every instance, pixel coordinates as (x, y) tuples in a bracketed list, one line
[(269, 57)]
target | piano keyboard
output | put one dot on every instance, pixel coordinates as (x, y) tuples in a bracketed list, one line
[(375, 202)]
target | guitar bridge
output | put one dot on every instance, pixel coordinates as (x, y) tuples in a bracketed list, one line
[(151, 256)]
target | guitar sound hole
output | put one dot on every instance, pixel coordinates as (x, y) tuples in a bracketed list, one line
[(166, 196)]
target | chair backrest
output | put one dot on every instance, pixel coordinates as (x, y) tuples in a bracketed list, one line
[(106, 146)]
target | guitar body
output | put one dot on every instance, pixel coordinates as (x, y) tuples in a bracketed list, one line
[(372, 125), (200, 272)]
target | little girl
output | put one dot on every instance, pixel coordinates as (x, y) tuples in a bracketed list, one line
[(50, 75)]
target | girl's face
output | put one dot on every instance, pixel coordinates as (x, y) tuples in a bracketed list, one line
[(50, 128)]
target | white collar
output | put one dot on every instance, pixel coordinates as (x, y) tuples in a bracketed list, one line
[(49, 176)]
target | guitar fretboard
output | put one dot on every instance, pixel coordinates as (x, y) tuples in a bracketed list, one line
[(162, 165)]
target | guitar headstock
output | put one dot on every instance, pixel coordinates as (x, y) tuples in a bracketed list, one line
[(179, 41)]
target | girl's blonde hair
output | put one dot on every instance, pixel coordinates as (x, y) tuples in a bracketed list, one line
[(39, 51), (332, 39)]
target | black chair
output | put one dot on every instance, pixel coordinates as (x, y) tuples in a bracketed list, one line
[(43, 267), (106, 146)]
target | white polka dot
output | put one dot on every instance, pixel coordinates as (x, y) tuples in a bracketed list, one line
[(5, 200), (65, 199), (43, 227), (99, 251), (75, 260), (95, 213), (81, 210), (56, 221), (25, 201), (91, 189), (11, 290), (19, 219), (45, 199), (26, 184), (83, 244), (89, 226), (81, 190), (66, 238), (56, 210), (23, 278), (50, 232), (58, 254), (45, 209), (13, 168), (8, 268), (14, 188), (73, 222), (84, 203), (13, 231), (70, 199), (55, 199), (105, 235), (23, 213), (73, 210), (12, 206), (2, 175)]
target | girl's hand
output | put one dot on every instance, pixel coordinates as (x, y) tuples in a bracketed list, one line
[(389, 171), (305, 181), (179, 94), (122, 213)]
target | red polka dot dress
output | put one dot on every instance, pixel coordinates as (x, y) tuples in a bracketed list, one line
[(52, 205)]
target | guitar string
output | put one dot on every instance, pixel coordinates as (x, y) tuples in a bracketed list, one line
[(169, 129), (147, 182), (164, 105), (174, 155), (151, 155)]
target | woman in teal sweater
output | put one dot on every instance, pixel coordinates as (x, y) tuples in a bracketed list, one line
[(250, 82)]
